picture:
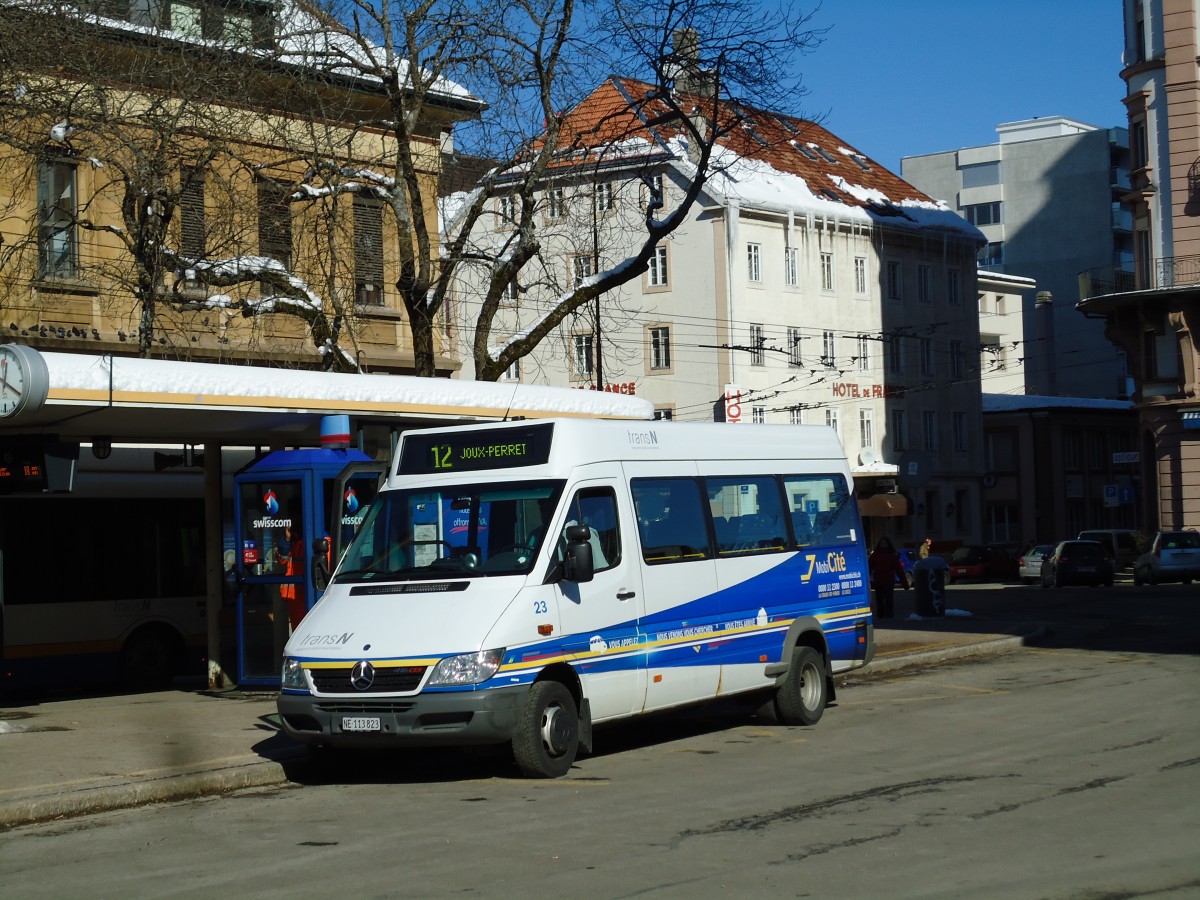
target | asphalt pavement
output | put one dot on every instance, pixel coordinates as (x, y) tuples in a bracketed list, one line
[(70, 757)]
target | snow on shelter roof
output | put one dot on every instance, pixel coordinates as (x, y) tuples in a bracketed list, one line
[(129, 397), (768, 161)]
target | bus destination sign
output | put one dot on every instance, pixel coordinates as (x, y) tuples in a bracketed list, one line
[(473, 451)]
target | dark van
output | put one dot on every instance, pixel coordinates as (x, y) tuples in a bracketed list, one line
[(1119, 543)]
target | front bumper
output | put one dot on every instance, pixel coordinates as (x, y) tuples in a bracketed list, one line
[(429, 719)]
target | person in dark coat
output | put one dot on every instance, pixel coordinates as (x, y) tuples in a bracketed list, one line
[(885, 568)]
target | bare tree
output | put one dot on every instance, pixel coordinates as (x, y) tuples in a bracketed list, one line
[(531, 62)]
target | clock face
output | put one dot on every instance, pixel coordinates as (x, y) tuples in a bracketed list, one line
[(23, 379)]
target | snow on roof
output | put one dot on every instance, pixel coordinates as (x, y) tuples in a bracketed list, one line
[(130, 380), (771, 162), (1021, 402)]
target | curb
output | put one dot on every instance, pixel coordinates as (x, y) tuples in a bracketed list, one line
[(238, 773), (880, 665)]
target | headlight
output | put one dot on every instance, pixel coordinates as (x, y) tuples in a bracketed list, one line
[(470, 668), (293, 674)]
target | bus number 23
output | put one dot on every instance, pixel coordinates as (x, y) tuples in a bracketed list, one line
[(539, 607)]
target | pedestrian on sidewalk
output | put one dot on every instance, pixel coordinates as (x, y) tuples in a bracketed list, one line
[(885, 568), (926, 548)]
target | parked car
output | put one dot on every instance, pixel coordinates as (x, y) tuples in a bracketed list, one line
[(1173, 556), (983, 563), (1121, 544), (1077, 562), (1030, 562), (912, 555)]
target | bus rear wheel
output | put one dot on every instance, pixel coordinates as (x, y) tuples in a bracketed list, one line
[(148, 658), (801, 699), (547, 737)]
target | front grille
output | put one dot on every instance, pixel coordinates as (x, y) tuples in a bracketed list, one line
[(388, 680), (375, 708)]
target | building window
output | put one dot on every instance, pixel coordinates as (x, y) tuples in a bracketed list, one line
[(927, 366), (953, 287), (962, 510), (791, 271), (510, 292), (980, 174), (506, 207), (864, 353), (58, 235), (866, 429), (929, 429), (583, 359), (924, 294), (754, 262), (1000, 451), (652, 190), (581, 268), (513, 372), (796, 416), (991, 255), (983, 213), (956, 359), (895, 352), (828, 354), (275, 221), (833, 420), (556, 203), (899, 430), (368, 251), (860, 276), (656, 275), (827, 271), (895, 280), (664, 413), (1002, 523), (793, 341), (192, 225), (758, 356), (660, 348), (959, 423), (605, 201), (758, 415)]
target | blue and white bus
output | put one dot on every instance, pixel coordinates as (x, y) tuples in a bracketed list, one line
[(522, 582)]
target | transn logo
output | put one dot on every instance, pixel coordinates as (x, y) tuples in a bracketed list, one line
[(834, 562)]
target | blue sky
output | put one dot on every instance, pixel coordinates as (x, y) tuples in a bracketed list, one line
[(900, 78)]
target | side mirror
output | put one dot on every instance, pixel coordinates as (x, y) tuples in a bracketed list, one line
[(577, 557)]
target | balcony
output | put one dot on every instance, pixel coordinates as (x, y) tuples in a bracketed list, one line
[(1167, 272)]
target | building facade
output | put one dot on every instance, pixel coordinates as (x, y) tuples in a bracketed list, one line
[(1153, 312), (175, 186), (808, 285), (1046, 196)]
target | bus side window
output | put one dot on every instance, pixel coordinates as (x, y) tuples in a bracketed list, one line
[(672, 524)]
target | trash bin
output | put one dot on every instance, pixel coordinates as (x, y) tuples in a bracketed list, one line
[(929, 585)]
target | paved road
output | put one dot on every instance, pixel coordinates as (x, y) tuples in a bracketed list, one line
[(1061, 771)]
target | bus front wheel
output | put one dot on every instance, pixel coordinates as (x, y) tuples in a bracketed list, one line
[(801, 699), (148, 658), (547, 735)]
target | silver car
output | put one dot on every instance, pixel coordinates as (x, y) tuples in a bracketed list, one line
[(1173, 556), (1030, 571)]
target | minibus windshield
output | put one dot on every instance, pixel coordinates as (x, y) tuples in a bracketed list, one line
[(464, 530)]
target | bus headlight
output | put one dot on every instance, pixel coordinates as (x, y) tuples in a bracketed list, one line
[(293, 674), (469, 668)]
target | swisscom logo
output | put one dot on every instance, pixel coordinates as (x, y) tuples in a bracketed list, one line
[(271, 506)]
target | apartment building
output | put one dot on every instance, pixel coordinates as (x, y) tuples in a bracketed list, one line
[(1046, 196), (807, 284), (1153, 312)]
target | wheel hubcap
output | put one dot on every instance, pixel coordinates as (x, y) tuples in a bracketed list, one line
[(810, 688), (556, 730)]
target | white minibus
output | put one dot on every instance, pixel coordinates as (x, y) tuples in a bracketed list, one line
[(522, 582)]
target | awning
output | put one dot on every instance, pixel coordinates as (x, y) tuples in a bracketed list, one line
[(883, 505)]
